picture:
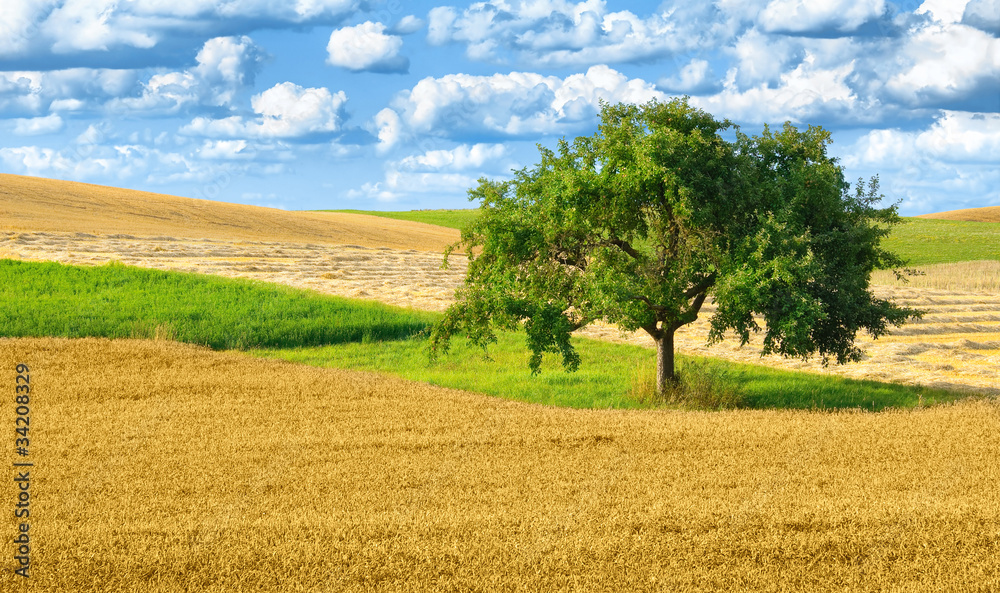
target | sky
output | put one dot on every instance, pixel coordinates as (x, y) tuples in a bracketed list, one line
[(393, 105)]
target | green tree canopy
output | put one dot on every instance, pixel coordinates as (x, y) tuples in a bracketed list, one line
[(640, 223)]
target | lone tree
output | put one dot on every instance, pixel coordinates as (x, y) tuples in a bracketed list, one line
[(640, 223)]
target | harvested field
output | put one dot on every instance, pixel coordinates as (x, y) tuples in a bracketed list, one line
[(36, 204), (244, 474), (408, 278), (957, 345), (987, 214)]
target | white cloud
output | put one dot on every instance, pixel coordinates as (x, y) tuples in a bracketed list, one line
[(226, 150), (225, 66), (515, 104), (67, 105), (459, 158), (18, 25), (31, 93), (366, 47), (951, 164), (560, 33), (943, 11), (407, 25), (942, 63), (286, 110), (399, 184), (76, 25), (802, 16), (68, 26), (101, 163), (38, 125), (983, 14), (957, 136), (806, 94), (388, 126), (376, 191), (763, 58), (694, 78)]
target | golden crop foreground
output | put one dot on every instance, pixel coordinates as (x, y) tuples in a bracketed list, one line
[(168, 467)]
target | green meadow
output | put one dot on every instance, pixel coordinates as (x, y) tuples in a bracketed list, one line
[(116, 301), (924, 241), (40, 299), (920, 241), (453, 219)]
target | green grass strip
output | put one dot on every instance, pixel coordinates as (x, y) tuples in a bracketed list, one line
[(117, 301), (925, 241), (453, 219), (609, 377), (39, 299), (921, 241)]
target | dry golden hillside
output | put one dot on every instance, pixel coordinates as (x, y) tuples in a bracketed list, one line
[(988, 214), (167, 467), (36, 204)]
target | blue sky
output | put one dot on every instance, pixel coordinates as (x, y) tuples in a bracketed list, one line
[(393, 105)]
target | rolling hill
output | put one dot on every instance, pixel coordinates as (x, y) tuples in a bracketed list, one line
[(34, 204), (988, 214)]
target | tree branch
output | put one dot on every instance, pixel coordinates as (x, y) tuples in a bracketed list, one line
[(624, 246), (700, 288), (649, 303)]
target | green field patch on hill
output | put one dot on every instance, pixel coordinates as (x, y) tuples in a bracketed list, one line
[(611, 376), (923, 241), (116, 301), (39, 299), (453, 219)]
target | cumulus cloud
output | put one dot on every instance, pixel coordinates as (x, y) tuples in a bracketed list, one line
[(941, 65), (695, 78), (558, 33), (400, 184), (983, 14), (762, 58), (806, 94), (286, 110), (948, 165), (957, 136), (224, 67), (808, 16), (507, 105), (18, 26), (38, 125), (227, 150), (943, 11), (407, 25), (476, 156), (366, 47), (443, 173), (33, 93), (55, 28), (103, 163)]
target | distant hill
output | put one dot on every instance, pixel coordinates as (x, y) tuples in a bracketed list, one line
[(38, 204), (988, 214)]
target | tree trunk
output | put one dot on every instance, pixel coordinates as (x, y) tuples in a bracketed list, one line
[(665, 361)]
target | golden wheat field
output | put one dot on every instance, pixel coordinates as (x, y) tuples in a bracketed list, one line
[(36, 204), (168, 467), (987, 214)]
